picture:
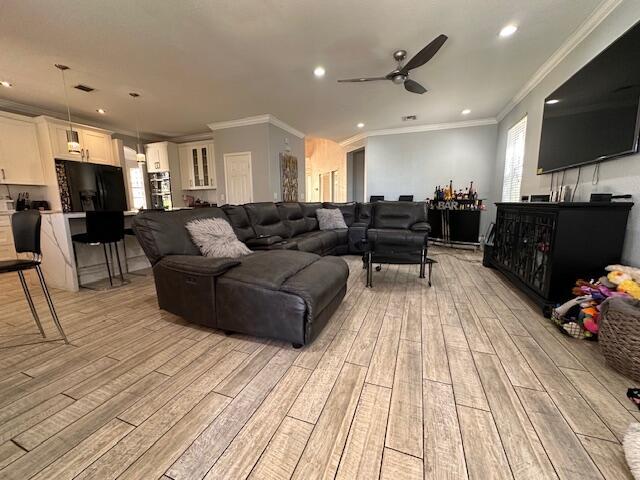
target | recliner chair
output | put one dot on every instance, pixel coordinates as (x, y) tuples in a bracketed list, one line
[(398, 234)]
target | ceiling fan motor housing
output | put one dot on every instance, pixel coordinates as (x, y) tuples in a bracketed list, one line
[(398, 78)]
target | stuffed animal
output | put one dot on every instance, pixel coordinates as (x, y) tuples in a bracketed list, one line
[(626, 279), (633, 272), (580, 316), (617, 277), (631, 288)]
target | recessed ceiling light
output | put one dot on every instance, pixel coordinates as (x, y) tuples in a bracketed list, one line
[(6, 84), (360, 125), (508, 31), (319, 71), (101, 111), (466, 111), (553, 101)]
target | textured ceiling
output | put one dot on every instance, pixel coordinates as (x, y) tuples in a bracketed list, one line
[(196, 62)]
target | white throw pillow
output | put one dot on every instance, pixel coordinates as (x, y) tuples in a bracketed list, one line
[(215, 238), (330, 219), (631, 445)]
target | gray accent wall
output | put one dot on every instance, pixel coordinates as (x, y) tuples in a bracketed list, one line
[(280, 141), (619, 176), (265, 142), (249, 138), (415, 163)]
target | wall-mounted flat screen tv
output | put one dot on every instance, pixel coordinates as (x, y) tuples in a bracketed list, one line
[(594, 116)]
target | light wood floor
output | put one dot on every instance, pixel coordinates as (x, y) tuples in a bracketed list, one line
[(462, 380)]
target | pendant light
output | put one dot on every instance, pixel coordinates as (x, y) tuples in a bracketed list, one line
[(73, 140), (140, 157)]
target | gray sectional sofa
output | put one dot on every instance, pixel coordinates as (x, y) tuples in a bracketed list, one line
[(290, 285)]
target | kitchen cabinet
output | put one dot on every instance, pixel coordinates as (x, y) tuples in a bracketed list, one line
[(197, 166), (7, 250), (20, 160), (157, 157), (97, 147), (95, 144)]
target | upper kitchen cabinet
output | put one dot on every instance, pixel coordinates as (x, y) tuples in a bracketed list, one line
[(20, 160), (95, 143), (197, 166), (157, 156)]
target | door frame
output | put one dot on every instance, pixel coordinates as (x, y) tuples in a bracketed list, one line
[(331, 175), (226, 182)]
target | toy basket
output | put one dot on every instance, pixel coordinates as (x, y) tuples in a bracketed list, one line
[(620, 335), (566, 325)]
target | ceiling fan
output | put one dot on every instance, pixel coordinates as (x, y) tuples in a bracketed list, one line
[(401, 73)]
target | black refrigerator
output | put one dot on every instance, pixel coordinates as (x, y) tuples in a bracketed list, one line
[(89, 186)]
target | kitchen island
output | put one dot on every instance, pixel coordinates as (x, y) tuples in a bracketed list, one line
[(62, 268)]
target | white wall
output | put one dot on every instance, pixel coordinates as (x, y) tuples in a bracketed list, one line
[(415, 163), (616, 176)]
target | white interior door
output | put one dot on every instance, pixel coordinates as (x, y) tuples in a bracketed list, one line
[(326, 187), (237, 178)]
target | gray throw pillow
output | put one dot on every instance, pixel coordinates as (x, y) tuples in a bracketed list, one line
[(330, 219), (215, 238)]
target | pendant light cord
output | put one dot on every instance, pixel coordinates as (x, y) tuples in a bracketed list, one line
[(135, 98), (66, 98)]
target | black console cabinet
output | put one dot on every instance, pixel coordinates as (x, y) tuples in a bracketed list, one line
[(455, 226), (544, 247)]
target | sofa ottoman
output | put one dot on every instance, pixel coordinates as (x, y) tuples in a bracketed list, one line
[(288, 295)]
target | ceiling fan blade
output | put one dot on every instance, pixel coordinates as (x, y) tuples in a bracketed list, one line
[(414, 87), (362, 79), (426, 54)]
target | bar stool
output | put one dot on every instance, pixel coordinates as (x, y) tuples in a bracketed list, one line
[(26, 238), (128, 232), (104, 228), (405, 198)]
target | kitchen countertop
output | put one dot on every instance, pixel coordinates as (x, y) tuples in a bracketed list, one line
[(43, 212), (128, 213)]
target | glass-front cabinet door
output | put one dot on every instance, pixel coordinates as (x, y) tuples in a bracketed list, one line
[(197, 166)]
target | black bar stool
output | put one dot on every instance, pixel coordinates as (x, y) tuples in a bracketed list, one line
[(405, 198), (376, 198), (26, 238), (104, 228), (128, 232)]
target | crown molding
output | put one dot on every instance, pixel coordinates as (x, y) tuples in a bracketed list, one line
[(193, 137), (595, 19), (255, 120), (31, 111), (351, 140), (419, 128)]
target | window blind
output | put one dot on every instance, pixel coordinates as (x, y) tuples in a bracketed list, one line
[(513, 162)]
